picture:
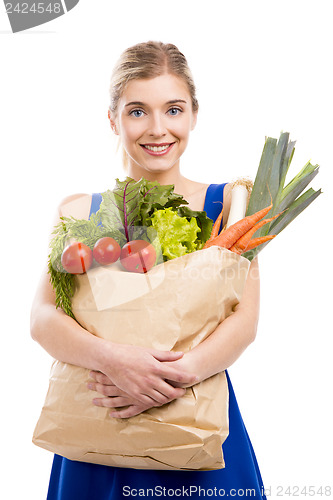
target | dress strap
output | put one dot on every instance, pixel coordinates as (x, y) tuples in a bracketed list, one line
[(96, 200), (214, 197)]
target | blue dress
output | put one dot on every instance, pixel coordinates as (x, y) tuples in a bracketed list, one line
[(71, 480)]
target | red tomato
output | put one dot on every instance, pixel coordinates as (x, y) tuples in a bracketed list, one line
[(106, 250), (76, 258), (138, 256)]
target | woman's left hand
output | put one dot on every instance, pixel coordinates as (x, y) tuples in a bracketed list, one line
[(116, 398), (185, 363)]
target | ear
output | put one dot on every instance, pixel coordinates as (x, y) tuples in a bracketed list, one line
[(112, 122), (194, 120)]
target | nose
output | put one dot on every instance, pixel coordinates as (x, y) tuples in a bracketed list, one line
[(157, 125)]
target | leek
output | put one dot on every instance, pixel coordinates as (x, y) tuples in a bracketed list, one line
[(240, 193), (270, 185)]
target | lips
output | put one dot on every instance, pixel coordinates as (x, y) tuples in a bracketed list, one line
[(157, 149)]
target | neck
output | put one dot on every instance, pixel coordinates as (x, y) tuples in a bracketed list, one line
[(171, 176)]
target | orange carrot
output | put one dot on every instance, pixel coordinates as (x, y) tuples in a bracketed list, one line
[(244, 240), (229, 237), (235, 250), (258, 241), (216, 226)]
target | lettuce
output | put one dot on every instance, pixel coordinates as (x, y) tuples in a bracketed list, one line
[(176, 235)]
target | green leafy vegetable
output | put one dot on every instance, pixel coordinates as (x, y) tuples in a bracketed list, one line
[(204, 223), (176, 235), (131, 203), (85, 231)]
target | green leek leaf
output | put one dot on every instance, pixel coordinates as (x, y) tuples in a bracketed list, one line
[(260, 196), (270, 179), (294, 210), (297, 189)]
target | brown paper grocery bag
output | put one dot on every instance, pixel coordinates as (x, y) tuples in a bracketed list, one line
[(175, 306)]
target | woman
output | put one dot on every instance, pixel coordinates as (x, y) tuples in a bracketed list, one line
[(153, 110)]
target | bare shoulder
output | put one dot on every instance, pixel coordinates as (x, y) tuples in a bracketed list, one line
[(75, 205), (227, 195)]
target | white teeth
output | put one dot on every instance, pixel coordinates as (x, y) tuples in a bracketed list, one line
[(157, 148)]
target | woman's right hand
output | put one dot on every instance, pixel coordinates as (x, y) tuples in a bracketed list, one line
[(141, 373), (110, 396)]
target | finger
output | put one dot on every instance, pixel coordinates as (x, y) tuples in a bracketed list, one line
[(145, 399), (159, 398), (178, 384), (179, 392), (131, 411), (106, 390), (166, 393), (110, 402), (170, 392), (100, 378), (183, 377)]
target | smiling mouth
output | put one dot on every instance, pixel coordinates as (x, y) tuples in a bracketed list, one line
[(157, 148)]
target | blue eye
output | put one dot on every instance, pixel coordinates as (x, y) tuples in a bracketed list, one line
[(174, 111), (136, 112)]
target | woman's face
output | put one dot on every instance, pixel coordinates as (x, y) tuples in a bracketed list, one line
[(154, 120)]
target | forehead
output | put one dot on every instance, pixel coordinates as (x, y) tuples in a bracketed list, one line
[(160, 89)]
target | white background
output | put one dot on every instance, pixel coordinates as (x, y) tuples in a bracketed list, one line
[(260, 67)]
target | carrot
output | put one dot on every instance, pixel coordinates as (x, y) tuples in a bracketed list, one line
[(258, 241), (216, 226), (215, 229), (229, 237), (244, 240)]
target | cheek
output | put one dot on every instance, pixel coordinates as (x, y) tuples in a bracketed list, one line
[(130, 131), (183, 128)]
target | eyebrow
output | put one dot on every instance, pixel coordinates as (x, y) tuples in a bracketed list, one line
[(140, 103)]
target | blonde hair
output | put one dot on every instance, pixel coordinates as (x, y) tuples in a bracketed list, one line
[(148, 60)]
